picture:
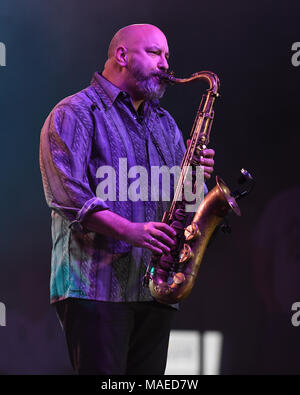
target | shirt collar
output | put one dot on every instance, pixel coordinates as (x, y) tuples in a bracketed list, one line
[(111, 91)]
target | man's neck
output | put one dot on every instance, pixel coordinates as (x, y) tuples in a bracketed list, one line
[(136, 104), (118, 82)]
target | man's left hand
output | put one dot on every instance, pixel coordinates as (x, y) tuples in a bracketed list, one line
[(207, 161)]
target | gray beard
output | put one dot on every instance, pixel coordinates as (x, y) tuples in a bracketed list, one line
[(148, 87)]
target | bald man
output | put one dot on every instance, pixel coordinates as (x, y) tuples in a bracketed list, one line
[(102, 241)]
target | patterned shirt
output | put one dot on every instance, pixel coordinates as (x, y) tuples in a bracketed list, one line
[(92, 128)]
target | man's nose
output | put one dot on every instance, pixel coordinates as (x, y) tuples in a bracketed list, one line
[(163, 63)]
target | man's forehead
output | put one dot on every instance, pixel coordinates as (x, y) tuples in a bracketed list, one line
[(146, 36)]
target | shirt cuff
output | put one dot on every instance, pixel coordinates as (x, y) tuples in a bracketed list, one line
[(90, 206)]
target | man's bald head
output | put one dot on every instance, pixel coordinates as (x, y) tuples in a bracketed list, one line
[(129, 34), (136, 56)]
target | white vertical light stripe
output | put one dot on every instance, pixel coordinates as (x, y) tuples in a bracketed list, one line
[(212, 352), (184, 354), (2, 314)]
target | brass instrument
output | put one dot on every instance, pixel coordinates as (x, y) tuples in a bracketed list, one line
[(171, 277)]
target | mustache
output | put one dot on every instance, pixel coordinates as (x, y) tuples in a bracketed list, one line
[(160, 75)]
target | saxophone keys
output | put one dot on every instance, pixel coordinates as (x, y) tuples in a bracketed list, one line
[(180, 214), (178, 279), (191, 232), (185, 254), (162, 290), (199, 150)]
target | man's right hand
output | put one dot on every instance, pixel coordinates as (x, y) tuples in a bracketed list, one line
[(156, 236)]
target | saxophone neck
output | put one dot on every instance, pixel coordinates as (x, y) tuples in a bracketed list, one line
[(210, 77)]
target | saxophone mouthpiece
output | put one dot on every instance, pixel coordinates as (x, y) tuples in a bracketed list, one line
[(167, 77)]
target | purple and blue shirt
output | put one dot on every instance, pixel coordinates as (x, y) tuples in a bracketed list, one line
[(96, 127)]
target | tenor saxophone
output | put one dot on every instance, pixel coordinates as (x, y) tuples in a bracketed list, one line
[(171, 277)]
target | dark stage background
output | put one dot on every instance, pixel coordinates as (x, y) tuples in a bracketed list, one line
[(249, 279)]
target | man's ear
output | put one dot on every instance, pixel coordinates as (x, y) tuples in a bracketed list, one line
[(121, 55)]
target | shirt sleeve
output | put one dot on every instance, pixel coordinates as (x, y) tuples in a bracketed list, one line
[(65, 149)]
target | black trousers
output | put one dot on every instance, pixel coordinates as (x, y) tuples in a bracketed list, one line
[(116, 338)]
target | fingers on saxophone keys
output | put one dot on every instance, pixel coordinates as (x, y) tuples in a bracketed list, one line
[(208, 153), (161, 229), (208, 170), (165, 239), (156, 246), (207, 161)]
